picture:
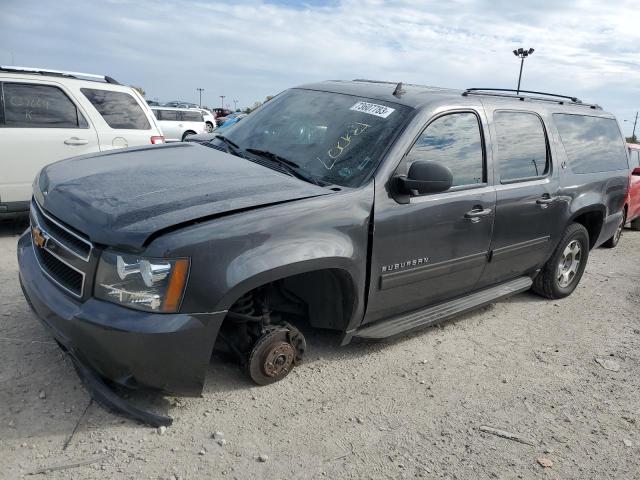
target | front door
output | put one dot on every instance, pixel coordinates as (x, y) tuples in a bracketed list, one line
[(528, 211), (435, 246)]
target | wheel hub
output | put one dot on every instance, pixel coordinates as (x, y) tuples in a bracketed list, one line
[(279, 359), (569, 263)]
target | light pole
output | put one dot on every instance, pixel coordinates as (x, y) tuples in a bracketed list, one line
[(200, 90), (633, 135), (522, 54), (222, 98), (235, 104)]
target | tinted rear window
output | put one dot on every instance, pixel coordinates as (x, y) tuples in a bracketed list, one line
[(522, 146), (120, 110), (192, 116), (39, 106), (593, 144), (171, 115)]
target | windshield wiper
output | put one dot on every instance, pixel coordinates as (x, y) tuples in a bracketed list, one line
[(231, 146), (290, 166)]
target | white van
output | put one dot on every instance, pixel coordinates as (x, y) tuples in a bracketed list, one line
[(178, 123), (49, 115)]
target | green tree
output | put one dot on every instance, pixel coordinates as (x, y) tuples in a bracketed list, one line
[(632, 139)]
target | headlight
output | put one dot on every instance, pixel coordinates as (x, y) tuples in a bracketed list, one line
[(152, 284)]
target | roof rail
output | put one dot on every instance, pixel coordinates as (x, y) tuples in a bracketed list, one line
[(511, 93), (61, 73)]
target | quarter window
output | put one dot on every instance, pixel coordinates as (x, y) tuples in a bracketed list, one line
[(454, 141), (593, 144), (521, 146), (39, 106), (120, 110)]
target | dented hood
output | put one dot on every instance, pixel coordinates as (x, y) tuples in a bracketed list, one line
[(122, 197)]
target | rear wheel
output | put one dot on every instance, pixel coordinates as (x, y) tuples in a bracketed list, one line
[(613, 241), (187, 133), (562, 272), (635, 224)]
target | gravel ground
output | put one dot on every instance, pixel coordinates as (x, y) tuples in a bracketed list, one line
[(406, 408)]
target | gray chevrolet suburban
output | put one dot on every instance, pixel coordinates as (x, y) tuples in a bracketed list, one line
[(364, 207)]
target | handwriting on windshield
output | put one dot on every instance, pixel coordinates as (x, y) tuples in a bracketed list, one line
[(343, 142)]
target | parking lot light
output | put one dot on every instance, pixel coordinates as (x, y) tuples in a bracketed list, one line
[(522, 54)]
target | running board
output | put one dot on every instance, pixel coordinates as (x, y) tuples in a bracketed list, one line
[(442, 311)]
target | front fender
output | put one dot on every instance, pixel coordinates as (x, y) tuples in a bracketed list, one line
[(233, 255)]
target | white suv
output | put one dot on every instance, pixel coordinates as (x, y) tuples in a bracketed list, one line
[(209, 119), (49, 115), (178, 123)]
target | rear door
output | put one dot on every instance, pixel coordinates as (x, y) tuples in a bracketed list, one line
[(41, 125), (170, 124), (120, 119), (192, 120), (435, 246), (528, 214)]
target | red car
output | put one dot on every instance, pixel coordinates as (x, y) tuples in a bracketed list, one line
[(632, 205)]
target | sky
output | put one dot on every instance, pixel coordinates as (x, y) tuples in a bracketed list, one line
[(248, 49)]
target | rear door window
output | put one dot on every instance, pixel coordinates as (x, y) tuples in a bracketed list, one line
[(170, 115), (120, 110), (28, 105), (194, 116), (521, 146), (453, 140), (593, 144)]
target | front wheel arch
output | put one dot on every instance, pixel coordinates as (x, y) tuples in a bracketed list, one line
[(330, 294)]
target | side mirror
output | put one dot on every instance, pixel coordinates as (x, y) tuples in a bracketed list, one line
[(636, 171), (426, 177)]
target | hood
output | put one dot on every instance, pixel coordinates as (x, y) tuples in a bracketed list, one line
[(122, 197)]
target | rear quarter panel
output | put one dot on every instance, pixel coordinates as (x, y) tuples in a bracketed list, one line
[(581, 192)]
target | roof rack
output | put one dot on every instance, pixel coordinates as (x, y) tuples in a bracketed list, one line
[(547, 97), (61, 73)]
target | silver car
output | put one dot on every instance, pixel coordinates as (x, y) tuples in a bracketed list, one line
[(178, 123)]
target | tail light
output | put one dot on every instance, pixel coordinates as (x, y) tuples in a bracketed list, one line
[(156, 139)]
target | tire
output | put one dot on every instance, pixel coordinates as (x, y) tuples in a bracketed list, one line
[(209, 127), (187, 133), (635, 224), (547, 283), (613, 241)]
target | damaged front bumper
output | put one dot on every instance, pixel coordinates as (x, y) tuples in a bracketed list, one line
[(166, 352)]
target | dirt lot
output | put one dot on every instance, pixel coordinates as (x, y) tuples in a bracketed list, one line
[(412, 407)]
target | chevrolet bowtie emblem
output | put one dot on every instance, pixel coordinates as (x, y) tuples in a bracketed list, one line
[(39, 238)]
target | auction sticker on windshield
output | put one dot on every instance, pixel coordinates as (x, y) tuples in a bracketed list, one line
[(373, 109)]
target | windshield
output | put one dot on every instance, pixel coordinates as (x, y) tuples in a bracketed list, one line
[(332, 138)]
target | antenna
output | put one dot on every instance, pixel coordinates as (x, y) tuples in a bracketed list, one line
[(399, 90)]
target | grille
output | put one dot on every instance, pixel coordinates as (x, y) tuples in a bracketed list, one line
[(64, 255), (63, 234), (60, 272)]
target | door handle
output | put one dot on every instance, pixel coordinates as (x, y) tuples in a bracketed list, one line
[(545, 201), (76, 141), (477, 213)]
